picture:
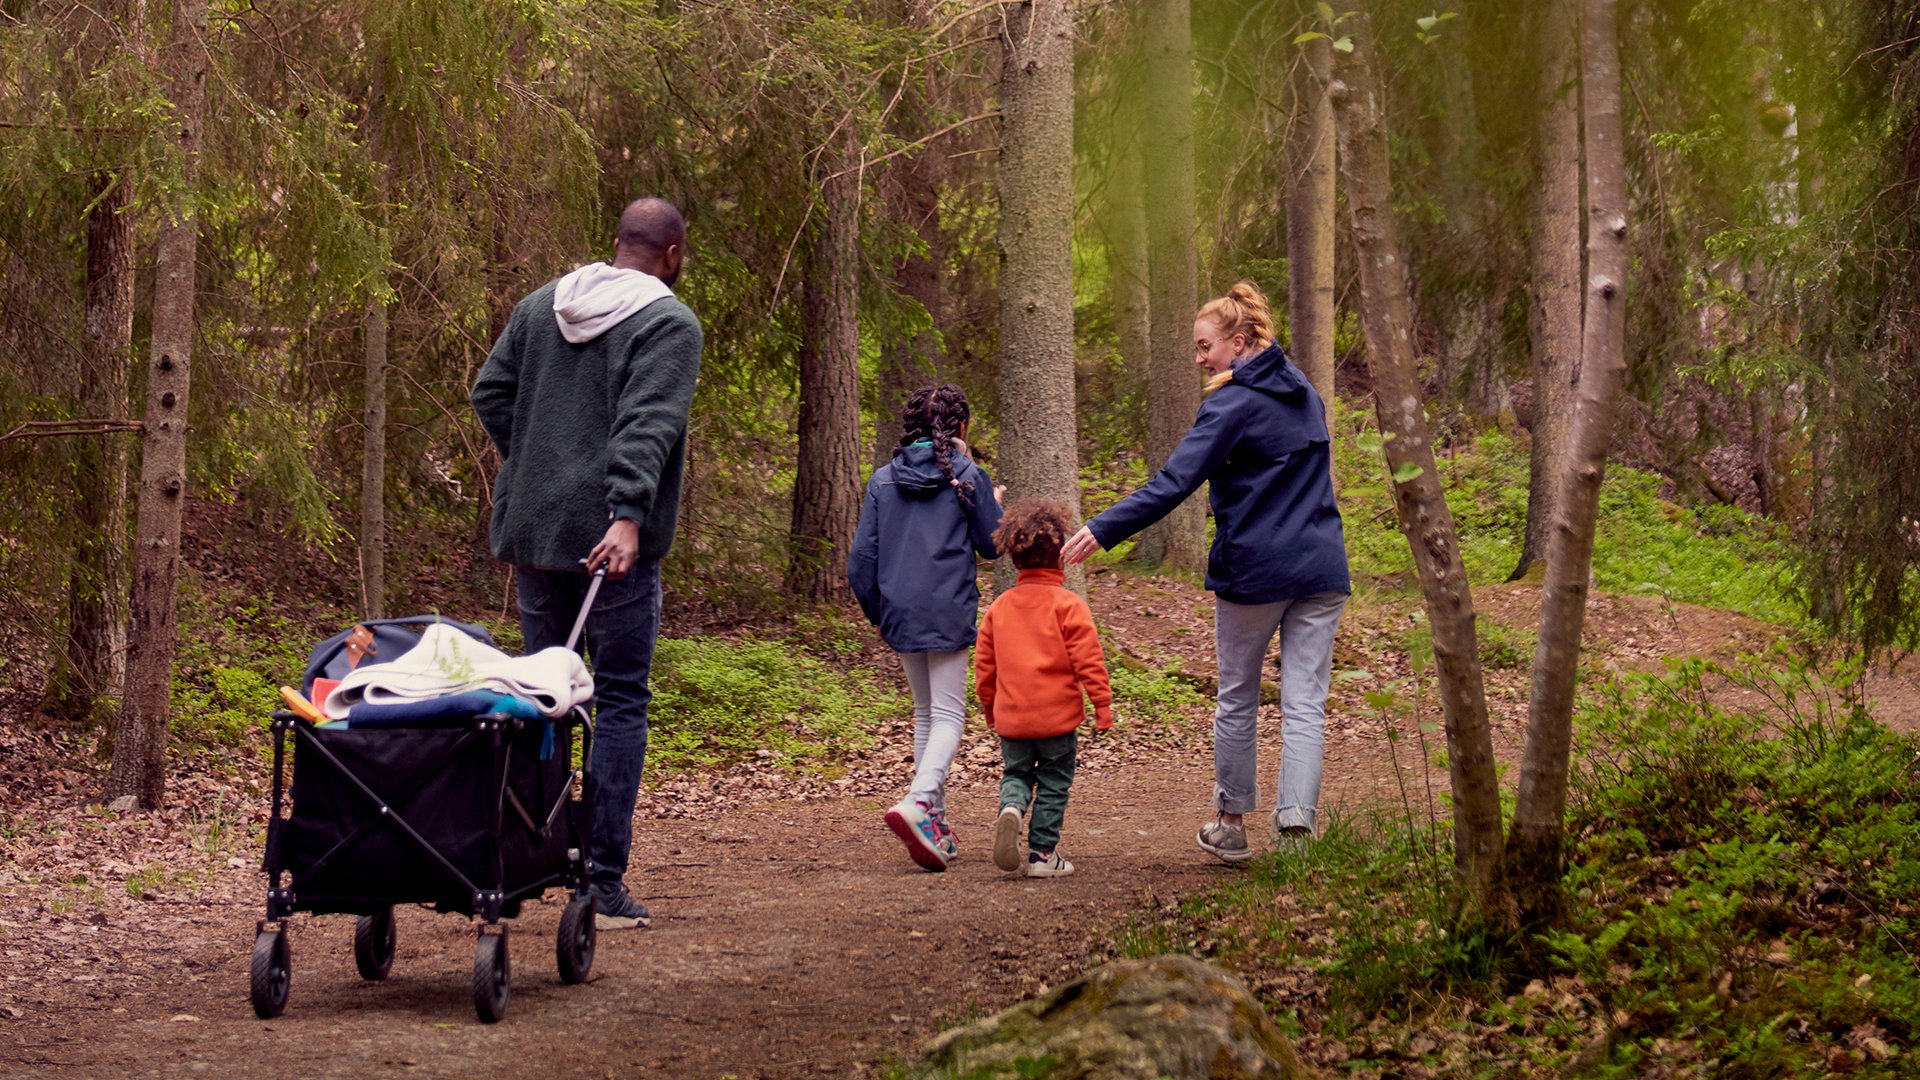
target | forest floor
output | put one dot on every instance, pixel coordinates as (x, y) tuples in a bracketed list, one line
[(792, 937)]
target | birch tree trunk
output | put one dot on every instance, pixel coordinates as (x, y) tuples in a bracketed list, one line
[(1178, 541), (826, 485), (1387, 321), (1554, 255), (1309, 212), (140, 736), (1040, 457), (1536, 847)]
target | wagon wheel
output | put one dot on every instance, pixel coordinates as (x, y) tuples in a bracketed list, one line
[(573, 946), (373, 941), (490, 975), (271, 974)]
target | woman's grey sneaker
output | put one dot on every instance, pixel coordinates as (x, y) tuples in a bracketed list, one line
[(1048, 865), (618, 910), (1006, 839), (1224, 841)]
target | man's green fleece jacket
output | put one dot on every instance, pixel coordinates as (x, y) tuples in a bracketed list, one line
[(589, 432)]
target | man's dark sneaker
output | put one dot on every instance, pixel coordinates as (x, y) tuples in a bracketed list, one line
[(616, 909)]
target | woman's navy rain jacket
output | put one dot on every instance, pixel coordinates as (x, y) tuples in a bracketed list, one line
[(1261, 440)]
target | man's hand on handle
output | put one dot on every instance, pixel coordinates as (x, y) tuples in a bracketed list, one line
[(1079, 546), (617, 551)]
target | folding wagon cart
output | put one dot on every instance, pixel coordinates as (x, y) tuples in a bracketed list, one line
[(472, 815)]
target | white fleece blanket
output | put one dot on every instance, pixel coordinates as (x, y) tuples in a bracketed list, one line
[(597, 297), (449, 662)]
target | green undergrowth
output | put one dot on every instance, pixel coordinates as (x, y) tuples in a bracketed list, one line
[(1743, 897), (719, 701), (1714, 556), (231, 655)]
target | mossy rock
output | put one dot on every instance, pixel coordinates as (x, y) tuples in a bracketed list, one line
[(1165, 1016)]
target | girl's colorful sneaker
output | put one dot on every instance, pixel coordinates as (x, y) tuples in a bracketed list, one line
[(947, 842), (1048, 865), (913, 823), (1006, 839)]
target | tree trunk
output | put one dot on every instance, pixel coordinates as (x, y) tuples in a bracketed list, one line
[(1037, 433), (911, 360), (1553, 252), (373, 465), (140, 736), (1178, 542), (1127, 238), (373, 404), (1387, 321), (94, 663), (1537, 844), (826, 485), (1309, 213)]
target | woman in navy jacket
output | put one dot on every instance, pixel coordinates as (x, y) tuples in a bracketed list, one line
[(1279, 558), (928, 514)]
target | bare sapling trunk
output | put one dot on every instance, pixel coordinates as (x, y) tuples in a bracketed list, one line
[(826, 485), (140, 735), (1178, 541), (1386, 320), (1310, 215), (1553, 257), (1040, 457), (373, 406), (1536, 847), (373, 464)]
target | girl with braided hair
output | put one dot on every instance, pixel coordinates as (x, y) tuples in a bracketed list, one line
[(929, 514)]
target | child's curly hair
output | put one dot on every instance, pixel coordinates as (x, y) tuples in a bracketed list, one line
[(1032, 532)]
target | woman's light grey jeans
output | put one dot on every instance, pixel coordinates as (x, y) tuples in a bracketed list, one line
[(1242, 633)]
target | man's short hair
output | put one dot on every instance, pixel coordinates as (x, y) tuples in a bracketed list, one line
[(652, 223)]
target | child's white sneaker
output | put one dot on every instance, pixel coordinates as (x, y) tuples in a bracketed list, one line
[(1048, 865), (1006, 839), (911, 821)]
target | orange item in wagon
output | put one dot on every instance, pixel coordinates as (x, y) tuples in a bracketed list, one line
[(301, 706)]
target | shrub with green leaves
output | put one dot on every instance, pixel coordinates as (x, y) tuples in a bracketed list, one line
[(718, 701)]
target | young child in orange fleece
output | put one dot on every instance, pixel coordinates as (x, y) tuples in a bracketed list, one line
[(1037, 653)]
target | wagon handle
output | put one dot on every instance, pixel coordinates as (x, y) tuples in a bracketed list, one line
[(580, 622)]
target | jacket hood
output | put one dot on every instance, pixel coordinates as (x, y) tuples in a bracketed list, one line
[(918, 474), (1270, 372), (597, 297)]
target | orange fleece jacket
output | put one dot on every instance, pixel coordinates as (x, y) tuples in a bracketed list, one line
[(1037, 652)]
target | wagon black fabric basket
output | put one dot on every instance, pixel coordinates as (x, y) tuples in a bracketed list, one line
[(437, 816), (474, 818)]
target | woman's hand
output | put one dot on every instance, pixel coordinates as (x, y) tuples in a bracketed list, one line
[(1000, 494), (1079, 546)]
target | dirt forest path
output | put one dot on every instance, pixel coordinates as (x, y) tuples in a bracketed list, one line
[(790, 940)]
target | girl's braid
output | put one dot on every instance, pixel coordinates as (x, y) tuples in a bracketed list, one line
[(936, 413)]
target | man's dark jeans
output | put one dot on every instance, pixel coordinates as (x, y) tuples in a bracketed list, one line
[(618, 640)]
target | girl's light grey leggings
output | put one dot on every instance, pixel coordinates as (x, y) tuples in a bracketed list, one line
[(1242, 633), (939, 684)]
